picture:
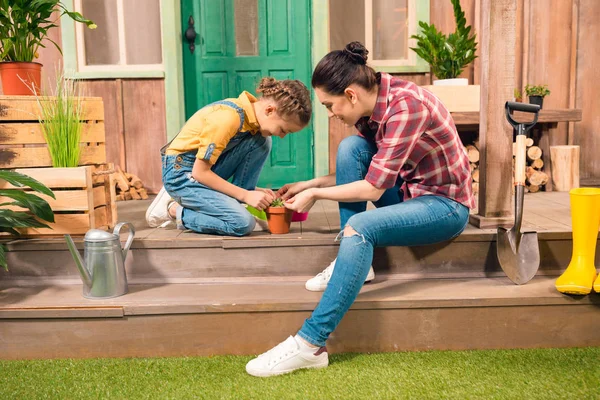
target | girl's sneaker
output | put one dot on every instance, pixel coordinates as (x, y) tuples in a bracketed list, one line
[(157, 215), (319, 282), (288, 356)]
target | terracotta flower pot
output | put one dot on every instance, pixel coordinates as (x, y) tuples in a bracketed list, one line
[(13, 74), (279, 219)]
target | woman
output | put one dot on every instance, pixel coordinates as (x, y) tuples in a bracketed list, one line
[(407, 159)]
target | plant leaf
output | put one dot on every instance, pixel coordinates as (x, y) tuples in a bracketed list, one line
[(20, 180), (38, 206)]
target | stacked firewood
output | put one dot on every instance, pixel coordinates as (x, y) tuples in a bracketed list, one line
[(535, 177), (473, 155), (129, 186)]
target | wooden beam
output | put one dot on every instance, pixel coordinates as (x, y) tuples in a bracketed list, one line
[(497, 39)]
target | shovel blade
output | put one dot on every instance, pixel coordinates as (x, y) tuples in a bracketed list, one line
[(519, 264)]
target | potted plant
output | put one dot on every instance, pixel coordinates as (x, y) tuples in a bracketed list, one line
[(34, 206), (447, 55), (24, 26), (518, 95), (279, 217), (536, 94), (60, 119)]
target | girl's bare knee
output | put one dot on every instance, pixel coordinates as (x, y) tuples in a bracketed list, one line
[(349, 231)]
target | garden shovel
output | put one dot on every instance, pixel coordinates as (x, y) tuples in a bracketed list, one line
[(519, 252)]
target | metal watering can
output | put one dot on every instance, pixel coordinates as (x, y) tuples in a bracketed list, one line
[(103, 266)]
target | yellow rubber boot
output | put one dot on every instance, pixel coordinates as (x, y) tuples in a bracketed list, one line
[(585, 216)]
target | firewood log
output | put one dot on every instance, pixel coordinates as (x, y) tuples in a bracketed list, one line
[(529, 142), (121, 179), (120, 197), (475, 175), (537, 164), (534, 152), (533, 188), (143, 193), (127, 195), (135, 181), (475, 186), (538, 178), (472, 153), (134, 194)]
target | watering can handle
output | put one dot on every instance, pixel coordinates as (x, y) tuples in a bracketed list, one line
[(116, 232)]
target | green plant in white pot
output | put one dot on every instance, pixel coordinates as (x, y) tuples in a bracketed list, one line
[(447, 55)]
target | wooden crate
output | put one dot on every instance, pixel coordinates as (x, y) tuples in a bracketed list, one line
[(85, 198), (22, 143)]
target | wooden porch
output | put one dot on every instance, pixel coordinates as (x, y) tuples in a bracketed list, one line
[(196, 294)]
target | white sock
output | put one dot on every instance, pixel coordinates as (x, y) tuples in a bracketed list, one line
[(304, 345)]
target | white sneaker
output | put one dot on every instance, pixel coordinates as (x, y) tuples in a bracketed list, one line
[(261, 225), (319, 282), (157, 215), (286, 357)]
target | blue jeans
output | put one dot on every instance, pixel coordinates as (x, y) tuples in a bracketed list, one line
[(419, 221), (205, 210)]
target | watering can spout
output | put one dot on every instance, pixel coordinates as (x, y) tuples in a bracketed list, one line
[(85, 275)]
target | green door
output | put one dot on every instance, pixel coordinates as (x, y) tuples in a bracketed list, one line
[(237, 43)]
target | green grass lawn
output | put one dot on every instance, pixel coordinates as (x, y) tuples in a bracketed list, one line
[(497, 374)]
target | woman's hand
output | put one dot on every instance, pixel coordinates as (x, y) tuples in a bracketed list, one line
[(291, 189), (258, 199), (302, 202)]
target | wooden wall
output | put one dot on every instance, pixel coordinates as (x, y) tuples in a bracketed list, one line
[(557, 43)]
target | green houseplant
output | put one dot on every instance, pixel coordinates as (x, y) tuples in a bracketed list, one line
[(60, 119), (34, 206), (536, 94), (279, 217), (447, 55), (24, 26)]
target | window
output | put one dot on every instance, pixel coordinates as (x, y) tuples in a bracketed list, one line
[(128, 37), (384, 26)]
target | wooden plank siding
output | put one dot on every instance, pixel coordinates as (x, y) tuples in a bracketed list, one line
[(556, 44)]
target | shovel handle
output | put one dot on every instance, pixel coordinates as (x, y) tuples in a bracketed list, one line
[(520, 160)]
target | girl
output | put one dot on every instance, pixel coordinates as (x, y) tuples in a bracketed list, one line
[(226, 139), (407, 159)]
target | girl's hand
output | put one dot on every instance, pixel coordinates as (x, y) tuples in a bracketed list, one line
[(258, 199), (269, 191), (302, 202), (291, 189)]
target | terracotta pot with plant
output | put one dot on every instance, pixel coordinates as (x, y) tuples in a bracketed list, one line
[(537, 93), (24, 26), (447, 55), (279, 217)]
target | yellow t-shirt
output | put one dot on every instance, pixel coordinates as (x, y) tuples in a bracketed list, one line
[(210, 129)]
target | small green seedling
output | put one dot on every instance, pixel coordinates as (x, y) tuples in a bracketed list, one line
[(277, 203)]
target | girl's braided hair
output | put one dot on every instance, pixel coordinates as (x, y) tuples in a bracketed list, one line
[(292, 97)]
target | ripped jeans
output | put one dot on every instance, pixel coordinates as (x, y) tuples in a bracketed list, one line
[(419, 221)]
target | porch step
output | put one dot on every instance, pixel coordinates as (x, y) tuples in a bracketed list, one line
[(390, 314)]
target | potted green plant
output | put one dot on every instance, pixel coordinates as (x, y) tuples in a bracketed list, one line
[(536, 94), (279, 217), (61, 113), (24, 26), (447, 55), (518, 95), (34, 206)]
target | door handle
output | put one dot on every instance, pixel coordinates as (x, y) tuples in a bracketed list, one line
[(190, 34)]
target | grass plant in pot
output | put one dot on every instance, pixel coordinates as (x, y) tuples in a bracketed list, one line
[(537, 93), (20, 208), (447, 55), (61, 114), (279, 217), (24, 26)]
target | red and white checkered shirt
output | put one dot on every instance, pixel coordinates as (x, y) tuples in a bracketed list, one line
[(417, 140)]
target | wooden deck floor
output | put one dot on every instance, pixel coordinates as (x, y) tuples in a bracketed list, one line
[(548, 213)]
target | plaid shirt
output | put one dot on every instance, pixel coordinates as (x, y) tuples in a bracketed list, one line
[(417, 141)]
